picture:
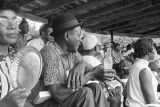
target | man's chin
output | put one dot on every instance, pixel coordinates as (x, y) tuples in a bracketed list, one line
[(72, 50)]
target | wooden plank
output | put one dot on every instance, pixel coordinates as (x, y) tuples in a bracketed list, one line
[(108, 9), (86, 6), (52, 6), (141, 29), (134, 35), (134, 8), (137, 24), (127, 17), (155, 33), (24, 2), (33, 17), (154, 29), (145, 28)]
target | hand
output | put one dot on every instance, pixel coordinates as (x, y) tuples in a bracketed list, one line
[(18, 96), (75, 76), (115, 97), (104, 75), (123, 84)]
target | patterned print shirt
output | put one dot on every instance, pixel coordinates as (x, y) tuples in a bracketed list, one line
[(5, 64), (50, 52), (21, 42), (56, 64)]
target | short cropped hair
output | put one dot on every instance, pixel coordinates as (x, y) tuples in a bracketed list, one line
[(143, 47), (44, 27), (23, 22), (6, 5)]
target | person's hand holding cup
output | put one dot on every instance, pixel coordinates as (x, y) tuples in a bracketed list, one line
[(108, 74)]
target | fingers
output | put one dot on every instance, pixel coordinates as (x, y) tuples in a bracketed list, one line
[(75, 76), (108, 74), (109, 71), (113, 93), (18, 94), (69, 79), (118, 91), (73, 81), (78, 80), (110, 99)]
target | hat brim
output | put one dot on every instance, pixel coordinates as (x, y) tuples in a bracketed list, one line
[(56, 33)]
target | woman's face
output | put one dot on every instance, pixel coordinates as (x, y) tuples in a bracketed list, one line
[(152, 54), (154, 66), (8, 27)]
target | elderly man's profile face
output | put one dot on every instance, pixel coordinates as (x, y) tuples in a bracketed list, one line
[(8, 27), (74, 39)]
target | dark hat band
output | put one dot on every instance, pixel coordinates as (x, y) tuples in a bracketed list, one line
[(66, 26)]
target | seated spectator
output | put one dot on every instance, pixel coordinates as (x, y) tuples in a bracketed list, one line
[(9, 97), (40, 42), (22, 36), (142, 84), (70, 90), (89, 44), (154, 66)]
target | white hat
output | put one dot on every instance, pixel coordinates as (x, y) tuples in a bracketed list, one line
[(89, 42)]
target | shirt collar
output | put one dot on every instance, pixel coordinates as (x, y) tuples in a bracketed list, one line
[(143, 61)]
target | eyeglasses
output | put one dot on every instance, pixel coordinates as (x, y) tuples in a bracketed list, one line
[(5, 22)]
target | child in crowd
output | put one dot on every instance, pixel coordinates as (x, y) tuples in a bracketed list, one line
[(154, 66)]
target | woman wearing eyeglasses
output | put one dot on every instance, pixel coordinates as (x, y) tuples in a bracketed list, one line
[(142, 84)]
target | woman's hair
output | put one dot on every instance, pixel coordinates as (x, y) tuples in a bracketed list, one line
[(129, 47), (6, 5), (143, 47), (23, 22)]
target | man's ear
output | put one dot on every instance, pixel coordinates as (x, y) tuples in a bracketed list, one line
[(66, 36), (43, 33)]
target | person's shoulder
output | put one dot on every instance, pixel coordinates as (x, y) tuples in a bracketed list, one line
[(47, 47), (35, 39)]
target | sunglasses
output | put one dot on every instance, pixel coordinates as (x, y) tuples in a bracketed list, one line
[(5, 22)]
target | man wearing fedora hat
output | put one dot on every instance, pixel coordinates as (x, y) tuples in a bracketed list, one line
[(65, 75)]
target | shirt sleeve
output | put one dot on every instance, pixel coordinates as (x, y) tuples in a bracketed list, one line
[(50, 73)]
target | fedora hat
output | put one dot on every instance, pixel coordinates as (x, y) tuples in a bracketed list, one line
[(63, 23)]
